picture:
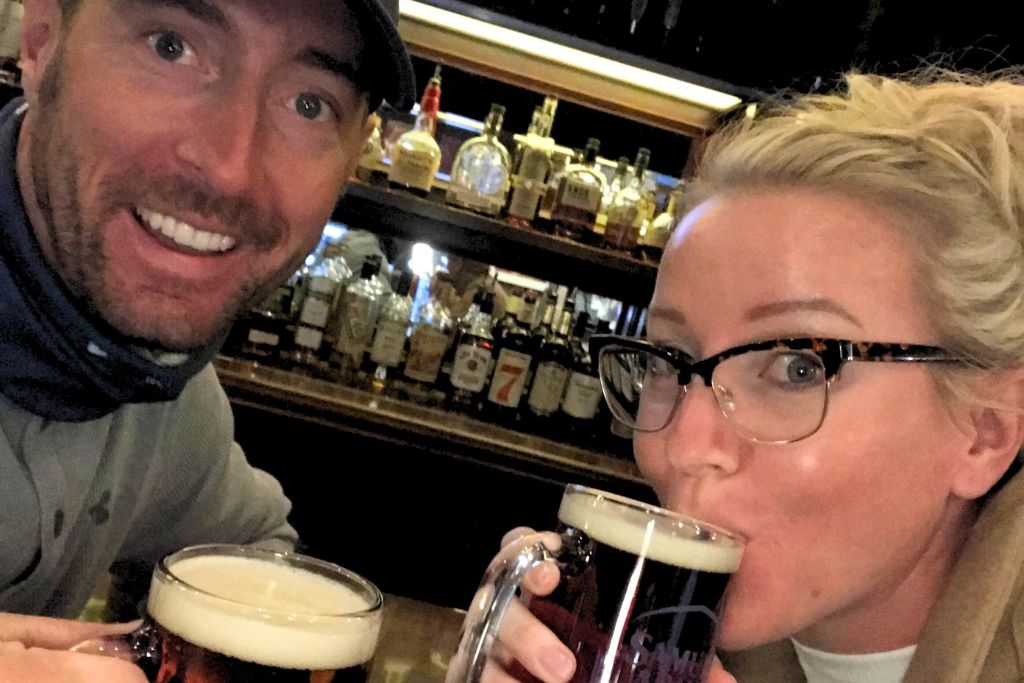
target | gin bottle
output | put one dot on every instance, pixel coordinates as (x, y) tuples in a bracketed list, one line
[(357, 311), (389, 339), (480, 172)]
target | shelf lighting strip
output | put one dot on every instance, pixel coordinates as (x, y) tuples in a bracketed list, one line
[(587, 62)]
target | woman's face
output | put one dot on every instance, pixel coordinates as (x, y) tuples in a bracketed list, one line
[(850, 530)]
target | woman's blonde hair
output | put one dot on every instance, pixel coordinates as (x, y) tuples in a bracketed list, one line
[(945, 151)]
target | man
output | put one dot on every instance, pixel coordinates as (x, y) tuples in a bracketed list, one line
[(173, 161)]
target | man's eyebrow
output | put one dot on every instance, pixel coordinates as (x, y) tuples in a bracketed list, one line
[(197, 8), (824, 305), (318, 59)]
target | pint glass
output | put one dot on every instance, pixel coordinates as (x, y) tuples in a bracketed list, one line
[(639, 597), (227, 614)]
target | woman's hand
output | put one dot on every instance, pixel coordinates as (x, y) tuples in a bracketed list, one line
[(35, 650)]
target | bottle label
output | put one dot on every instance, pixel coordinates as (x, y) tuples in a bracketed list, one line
[(534, 165), (471, 368), (577, 195), (415, 168), (582, 397), (389, 343), (314, 311), (526, 196), (621, 235), (262, 338), (356, 319), (426, 350), (548, 386), (309, 337), (509, 378)]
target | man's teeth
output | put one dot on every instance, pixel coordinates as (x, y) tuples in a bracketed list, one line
[(183, 233)]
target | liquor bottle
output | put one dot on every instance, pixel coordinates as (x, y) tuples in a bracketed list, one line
[(514, 360), (389, 339), (631, 208), (619, 178), (532, 171), (473, 359), (356, 315), (653, 239), (416, 155), (554, 360), (263, 332), (546, 319), (371, 161), (513, 307), (579, 195), (559, 164), (582, 399), (480, 172), (428, 345), (311, 345)]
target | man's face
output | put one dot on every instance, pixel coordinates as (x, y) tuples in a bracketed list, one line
[(180, 157)]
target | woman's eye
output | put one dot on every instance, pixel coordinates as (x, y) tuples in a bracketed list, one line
[(171, 47), (794, 369), (312, 107)]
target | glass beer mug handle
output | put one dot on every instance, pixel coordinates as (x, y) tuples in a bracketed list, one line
[(483, 620), (140, 647)]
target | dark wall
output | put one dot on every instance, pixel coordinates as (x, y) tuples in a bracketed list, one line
[(415, 520)]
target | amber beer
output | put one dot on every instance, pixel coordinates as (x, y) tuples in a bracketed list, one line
[(228, 618), (639, 599)]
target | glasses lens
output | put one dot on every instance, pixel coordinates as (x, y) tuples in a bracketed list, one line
[(641, 388), (773, 395)]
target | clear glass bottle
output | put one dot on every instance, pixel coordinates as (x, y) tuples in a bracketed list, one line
[(559, 163), (579, 195), (620, 177), (631, 208), (428, 345), (389, 339), (416, 156), (654, 237), (533, 169), (481, 170), (311, 345), (357, 311)]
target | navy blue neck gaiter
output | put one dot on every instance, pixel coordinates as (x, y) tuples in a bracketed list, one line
[(55, 360)]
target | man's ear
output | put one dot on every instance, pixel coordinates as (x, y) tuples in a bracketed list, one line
[(40, 32), (996, 434)]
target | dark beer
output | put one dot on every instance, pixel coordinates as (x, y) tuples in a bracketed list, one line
[(223, 619), (638, 601)]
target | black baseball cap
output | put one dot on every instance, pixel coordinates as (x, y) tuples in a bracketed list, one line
[(386, 72)]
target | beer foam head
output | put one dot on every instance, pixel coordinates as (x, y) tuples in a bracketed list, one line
[(265, 612), (633, 529)]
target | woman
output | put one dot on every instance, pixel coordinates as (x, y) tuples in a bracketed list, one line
[(875, 481)]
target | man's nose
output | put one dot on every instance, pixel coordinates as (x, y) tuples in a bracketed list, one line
[(223, 142), (699, 439)]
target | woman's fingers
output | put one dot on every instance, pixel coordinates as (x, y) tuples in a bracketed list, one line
[(55, 634), (530, 643)]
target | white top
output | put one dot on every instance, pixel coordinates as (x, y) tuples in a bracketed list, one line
[(876, 667)]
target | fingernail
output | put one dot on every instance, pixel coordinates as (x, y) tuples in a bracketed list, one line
[(559, 662)]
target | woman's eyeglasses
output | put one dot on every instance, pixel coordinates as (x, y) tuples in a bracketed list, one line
[(772, 391)]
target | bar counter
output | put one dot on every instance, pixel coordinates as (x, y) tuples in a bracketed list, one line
[(416, 643)]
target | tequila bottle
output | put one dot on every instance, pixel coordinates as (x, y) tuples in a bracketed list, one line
[(480, 172), (631, 208), (579, 195), (416, 155)]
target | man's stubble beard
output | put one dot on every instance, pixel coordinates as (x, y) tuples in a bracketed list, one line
[(75, 248)]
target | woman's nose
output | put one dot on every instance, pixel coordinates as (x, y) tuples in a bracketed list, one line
[(699, 440)]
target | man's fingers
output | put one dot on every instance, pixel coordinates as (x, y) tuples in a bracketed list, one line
[(54, 634), (529, 642)]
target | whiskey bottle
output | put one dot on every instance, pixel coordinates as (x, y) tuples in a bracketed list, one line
[(265, 327), (631, 208), (473, 359), (653, 239), (428, 344), (579, 195), (532, 171), (514, 360), (416, 156), (554, 360), (620, 177), (582, 398), (480, 172)]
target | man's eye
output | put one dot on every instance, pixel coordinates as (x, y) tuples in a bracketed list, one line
[(171, 47), (312, 107)]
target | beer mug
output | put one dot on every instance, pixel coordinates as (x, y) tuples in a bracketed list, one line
[(230, 613), (639, 597)]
